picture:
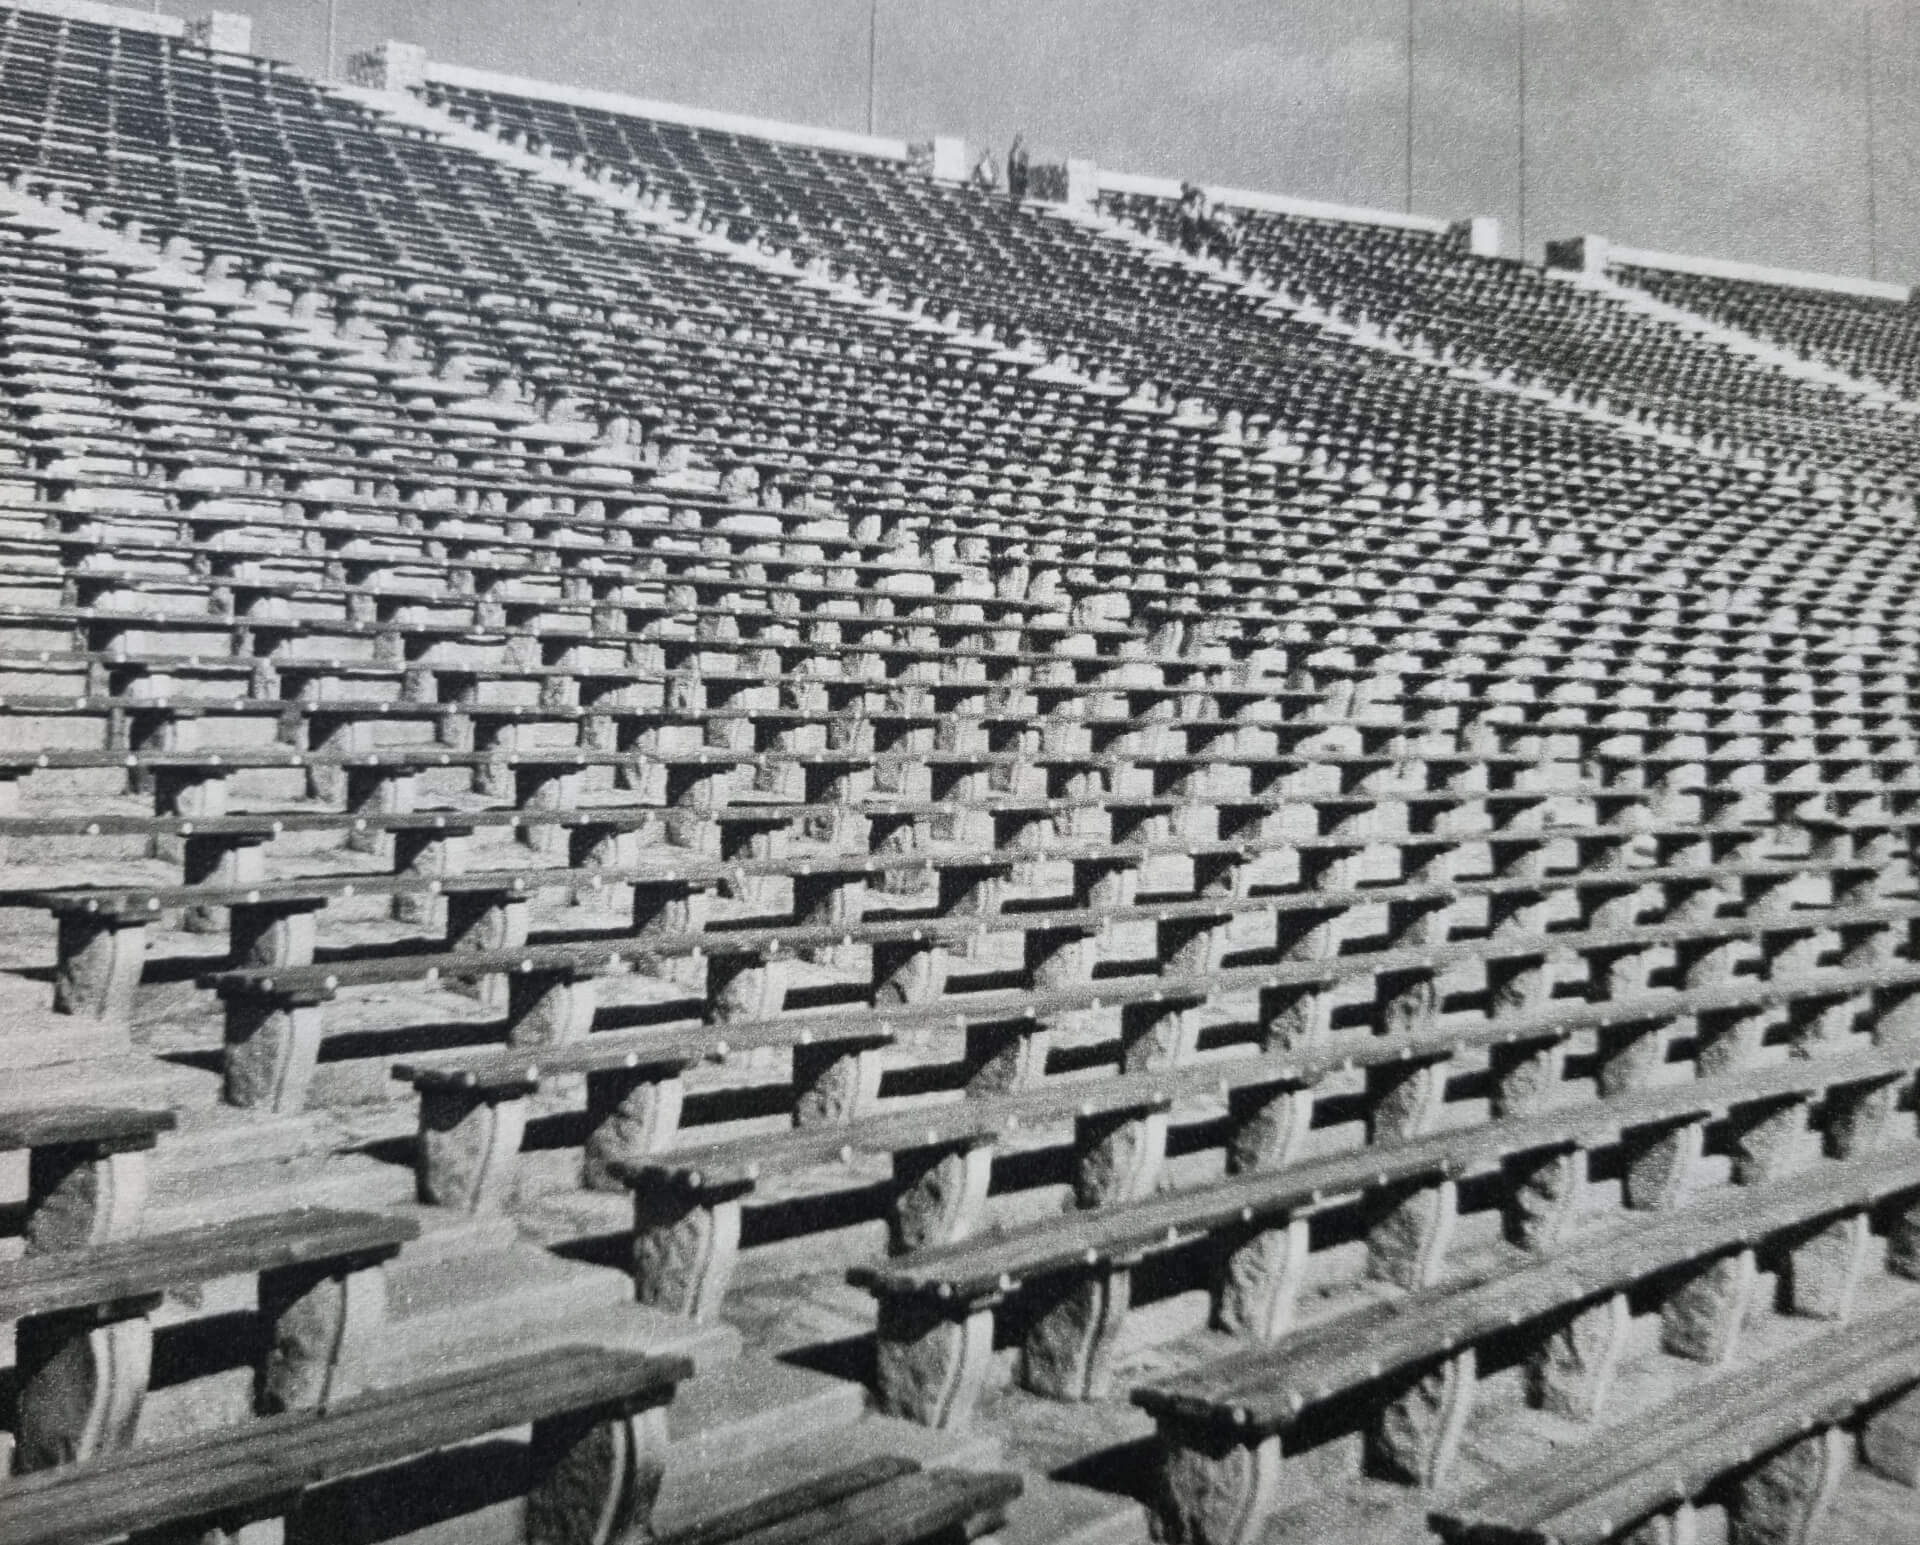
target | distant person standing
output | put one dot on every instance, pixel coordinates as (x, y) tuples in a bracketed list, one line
[(1194, 221), (986, 174), (1223, 240), (1018, 171)]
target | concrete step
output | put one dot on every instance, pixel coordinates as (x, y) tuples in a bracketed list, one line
[(1053, 1512), (756, 1402), (130, 1079), (691, 1492), (214, 1137), (183, 1199), (464, 1294), (33, 1037)]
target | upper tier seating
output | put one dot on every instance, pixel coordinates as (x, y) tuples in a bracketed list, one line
[(1530, 325), (1875, 338)]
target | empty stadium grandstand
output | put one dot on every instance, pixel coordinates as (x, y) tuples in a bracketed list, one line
[(709, 837)]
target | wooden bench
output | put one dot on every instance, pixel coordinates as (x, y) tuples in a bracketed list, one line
[(86, 1170), (938, 1305), (1405, 1368), (85, 1338), (590, 1470), (1772, 1435), (552, 991)]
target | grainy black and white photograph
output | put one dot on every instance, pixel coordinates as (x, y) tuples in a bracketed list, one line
[(866, 772)]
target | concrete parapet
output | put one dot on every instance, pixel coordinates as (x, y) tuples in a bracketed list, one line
[(943, 158), (393, 66), (1480, 235), (224, 32), (106, 15)]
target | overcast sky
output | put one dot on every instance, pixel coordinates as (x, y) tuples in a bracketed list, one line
[(1730, 127)]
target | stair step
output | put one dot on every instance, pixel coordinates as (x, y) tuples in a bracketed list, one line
[(425, 1346), (692, 1492), (210, 1137), (1053, 1512), (446, 1234), (455, 1282), (32, 1037), (461, 1294), (133, 1079), (757, 1402), (346, 1181)]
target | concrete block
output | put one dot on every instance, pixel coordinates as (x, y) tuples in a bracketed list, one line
[(224, 32)]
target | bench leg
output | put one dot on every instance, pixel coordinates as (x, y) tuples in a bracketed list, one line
[(1825, 1270), (1701, 1318), (1068, 1352), (1528, 1076), (1405, 1102), (1571, 1374), (684, 1248), (1631, 1055), (1408, 1244), (1158, 1035), (627, 1115), (80, 1383), (276, 935), (1677, 1526), (1890, 1440), (100, 961), (1545, 1198), (468, 1147), (1005, 1059), (746, 987), (1118, 1157), (1660, 1169), (1863, 1121), (271, 1051), (477, 923), (930, 1364), (907, 973), (1260, 1282), (835, 1083), (596, 1478), (1771, 1144), (1417, 1434), (1782, 1501), (1903, 1242), (1214, 1491), (1293, 1018), (1268, 1126), (323, 1330), (77, 1197), (940, 1195), (550, 1008)]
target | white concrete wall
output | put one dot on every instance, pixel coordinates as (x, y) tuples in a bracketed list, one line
[(1271, 203), (225, 32), (1724, 268), (670, 112), (106, 15)]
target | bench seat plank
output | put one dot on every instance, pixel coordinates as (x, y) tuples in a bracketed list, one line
[(1261, 1390), (279, 1456), (62, 1126), (993, 1262), (1669, 1455), (954, 1121), (156, 1263)]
